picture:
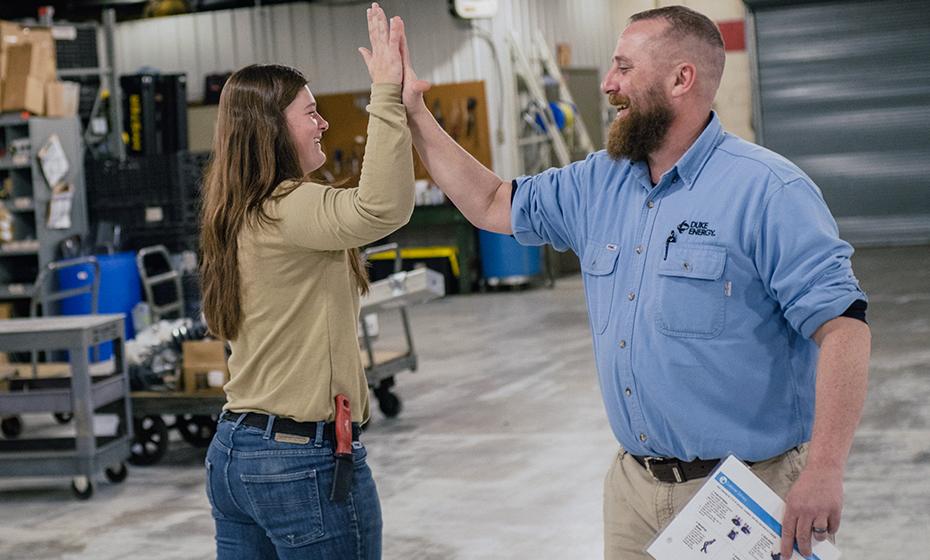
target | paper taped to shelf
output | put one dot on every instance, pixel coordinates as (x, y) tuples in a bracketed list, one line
[(403, 289), (59, 207), (54, 161)]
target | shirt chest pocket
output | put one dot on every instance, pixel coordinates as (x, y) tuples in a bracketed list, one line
[(599, 264), (692, 292)]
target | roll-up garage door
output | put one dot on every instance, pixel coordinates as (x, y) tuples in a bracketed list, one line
[(843, 90)]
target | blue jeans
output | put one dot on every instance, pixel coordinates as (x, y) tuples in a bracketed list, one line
[(270, 499)]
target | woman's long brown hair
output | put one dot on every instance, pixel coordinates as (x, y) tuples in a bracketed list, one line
[(252, 155)]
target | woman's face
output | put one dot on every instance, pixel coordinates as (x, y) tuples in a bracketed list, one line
[(306, 127)]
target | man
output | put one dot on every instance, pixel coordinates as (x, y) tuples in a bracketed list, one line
[(725, 314)]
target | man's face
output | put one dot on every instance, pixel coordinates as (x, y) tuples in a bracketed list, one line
[(635, 87)]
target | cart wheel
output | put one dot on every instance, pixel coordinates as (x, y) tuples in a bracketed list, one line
[(116, 474), (196, 429), (63, 417), (82, 487), (11, 426), (151, 441), (389, 403)]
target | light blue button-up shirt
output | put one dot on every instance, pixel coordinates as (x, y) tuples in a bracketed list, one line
[(703, 291)]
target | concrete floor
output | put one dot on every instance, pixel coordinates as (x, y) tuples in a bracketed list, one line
[(502, 445)]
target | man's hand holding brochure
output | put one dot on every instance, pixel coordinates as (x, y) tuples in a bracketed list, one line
[(734, 516)]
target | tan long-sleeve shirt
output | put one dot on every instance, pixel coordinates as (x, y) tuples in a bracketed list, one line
[(297, 346)]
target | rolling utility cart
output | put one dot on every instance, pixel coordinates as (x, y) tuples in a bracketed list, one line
[(79, 394), (394, 293), (195, 418)]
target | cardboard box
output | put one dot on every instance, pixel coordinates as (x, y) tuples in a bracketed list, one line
[(61, 99), (24, 59), (23, 92), (204, 366), (43, 44), (10, 34)]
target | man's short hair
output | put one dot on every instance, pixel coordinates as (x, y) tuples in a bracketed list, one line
[(685, 23)]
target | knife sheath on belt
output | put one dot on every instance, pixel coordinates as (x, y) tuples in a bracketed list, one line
[(342, 477)]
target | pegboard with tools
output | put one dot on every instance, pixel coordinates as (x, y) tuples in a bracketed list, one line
[(460, 108)]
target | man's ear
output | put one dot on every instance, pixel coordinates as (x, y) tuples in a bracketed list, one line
[(685, 78)]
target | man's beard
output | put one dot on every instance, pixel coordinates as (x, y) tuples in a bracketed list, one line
[(643, 129)]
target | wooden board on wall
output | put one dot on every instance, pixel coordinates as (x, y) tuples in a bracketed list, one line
[(460, 107)]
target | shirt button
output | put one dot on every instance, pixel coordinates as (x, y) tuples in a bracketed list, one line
[(686, 265), (650, 204), (642, 437), (628, 392), (639, 249), (675, 180), (631, 296), (622, 344)]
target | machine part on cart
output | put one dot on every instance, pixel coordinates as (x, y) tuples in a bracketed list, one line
[(11, 426), (160, 282), (402, 289), (196, 429), (389, 403), (117, 473), (155, 353), (151, 440), (63, 417), (82, 487)]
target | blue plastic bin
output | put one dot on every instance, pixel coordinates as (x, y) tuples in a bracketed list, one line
[(503, 259), (120, 291)]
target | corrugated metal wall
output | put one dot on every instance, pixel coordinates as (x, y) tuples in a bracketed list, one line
[(322, 39), (843, 90)]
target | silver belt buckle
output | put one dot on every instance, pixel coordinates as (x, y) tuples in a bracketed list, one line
[(647, 461)]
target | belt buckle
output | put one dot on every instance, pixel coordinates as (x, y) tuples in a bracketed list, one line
[(676, 468)]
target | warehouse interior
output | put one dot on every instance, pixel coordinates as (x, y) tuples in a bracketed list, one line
[(488, 437)]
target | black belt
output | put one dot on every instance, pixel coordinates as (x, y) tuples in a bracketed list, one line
[(671, 470), (288, 426)]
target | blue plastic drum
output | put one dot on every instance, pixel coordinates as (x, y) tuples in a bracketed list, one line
[(505, 261), (120, 291)]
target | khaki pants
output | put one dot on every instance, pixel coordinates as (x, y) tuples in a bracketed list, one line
[(636, 506)]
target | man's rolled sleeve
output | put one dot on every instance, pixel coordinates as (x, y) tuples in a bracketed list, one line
[(802, 260), (546, 208)]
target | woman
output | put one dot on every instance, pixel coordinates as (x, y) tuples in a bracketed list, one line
[(281, 279)]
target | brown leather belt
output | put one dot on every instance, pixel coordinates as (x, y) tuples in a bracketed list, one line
[(674, 471)]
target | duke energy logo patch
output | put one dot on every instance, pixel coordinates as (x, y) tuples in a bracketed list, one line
[(693, 227)]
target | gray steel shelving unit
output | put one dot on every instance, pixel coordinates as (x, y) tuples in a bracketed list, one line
[(80, 394), (28, 197)]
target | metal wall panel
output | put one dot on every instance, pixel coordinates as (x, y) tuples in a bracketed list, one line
[(843, 90), (321, 40)]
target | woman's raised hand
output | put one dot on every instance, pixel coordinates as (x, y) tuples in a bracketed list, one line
[(384, 60)]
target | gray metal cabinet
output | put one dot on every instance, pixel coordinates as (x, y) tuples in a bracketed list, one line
[(27, 195)]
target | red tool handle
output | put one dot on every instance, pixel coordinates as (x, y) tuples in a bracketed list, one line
[(343, 423)]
